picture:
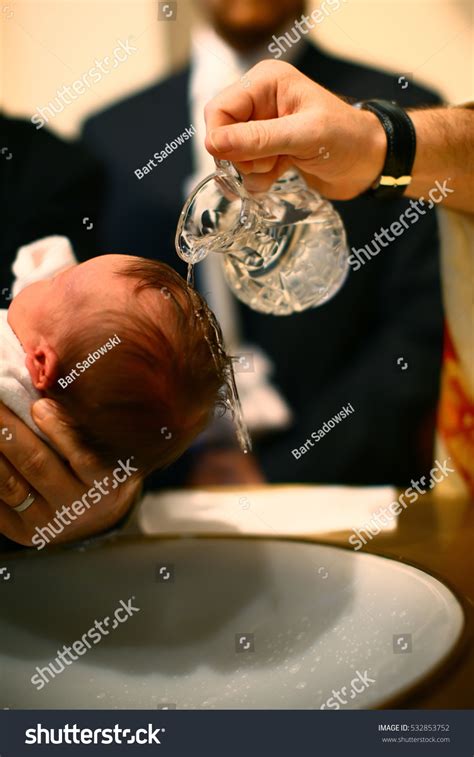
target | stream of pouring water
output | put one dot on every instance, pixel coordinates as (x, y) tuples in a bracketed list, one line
[(232, 401), (190, 276)]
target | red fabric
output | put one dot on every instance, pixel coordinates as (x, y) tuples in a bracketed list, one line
[(456, 415)]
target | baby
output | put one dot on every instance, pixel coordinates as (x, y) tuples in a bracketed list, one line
[(127, 350)]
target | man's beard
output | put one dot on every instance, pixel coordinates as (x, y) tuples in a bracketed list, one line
[(249, 38)]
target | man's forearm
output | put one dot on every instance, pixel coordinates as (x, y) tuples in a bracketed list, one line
[(445, 150)]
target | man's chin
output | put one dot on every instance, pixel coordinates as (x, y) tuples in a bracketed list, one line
[(245, 38)]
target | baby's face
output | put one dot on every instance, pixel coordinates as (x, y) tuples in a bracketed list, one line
[(50, 307)]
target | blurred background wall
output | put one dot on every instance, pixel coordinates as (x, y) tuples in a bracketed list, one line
[(46, 44)]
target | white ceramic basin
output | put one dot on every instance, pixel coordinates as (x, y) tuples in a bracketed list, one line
[(322, 618)]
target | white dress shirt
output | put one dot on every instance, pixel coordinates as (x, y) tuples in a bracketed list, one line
[(214, 66)]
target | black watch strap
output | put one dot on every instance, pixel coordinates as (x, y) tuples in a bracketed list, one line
[(401, 147)]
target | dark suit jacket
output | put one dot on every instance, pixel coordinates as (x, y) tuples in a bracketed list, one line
[(47, 186), (343, 352)]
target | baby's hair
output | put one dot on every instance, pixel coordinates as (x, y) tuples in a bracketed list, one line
[(153, 393)]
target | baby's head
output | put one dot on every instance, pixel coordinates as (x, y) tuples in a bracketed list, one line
[(128, 351)]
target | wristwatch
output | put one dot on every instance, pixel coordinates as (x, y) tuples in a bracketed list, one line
[(401, 147)]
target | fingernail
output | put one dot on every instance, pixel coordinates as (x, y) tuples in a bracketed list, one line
[(220, 140), (42, 409)]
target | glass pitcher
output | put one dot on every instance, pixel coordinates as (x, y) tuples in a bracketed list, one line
[(282, 252)]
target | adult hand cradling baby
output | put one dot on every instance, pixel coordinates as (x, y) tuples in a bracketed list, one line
[(56, 479)]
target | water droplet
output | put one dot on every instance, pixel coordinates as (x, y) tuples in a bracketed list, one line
[(294, 668)]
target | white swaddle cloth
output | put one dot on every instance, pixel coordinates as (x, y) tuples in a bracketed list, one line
[(34, 262)]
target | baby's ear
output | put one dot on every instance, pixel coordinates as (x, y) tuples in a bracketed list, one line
[(42, 365)]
